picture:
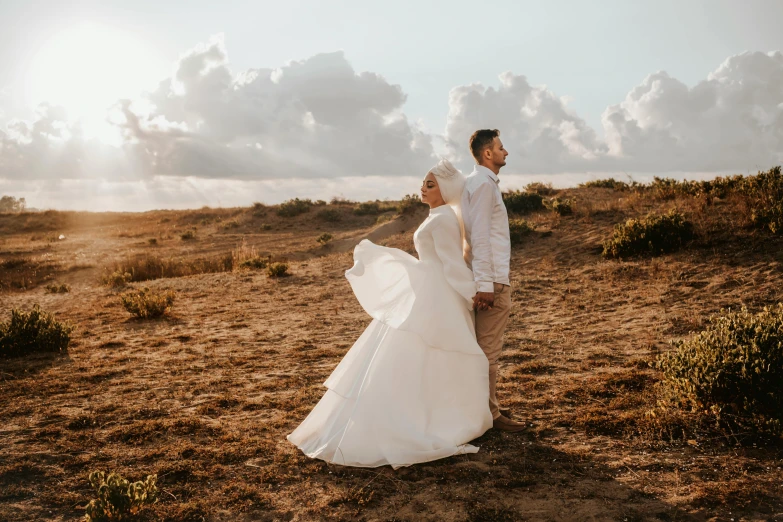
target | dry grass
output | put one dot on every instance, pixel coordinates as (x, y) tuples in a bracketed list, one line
[(205, 399)]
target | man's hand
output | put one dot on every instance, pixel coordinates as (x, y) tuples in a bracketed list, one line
[(483, 300)]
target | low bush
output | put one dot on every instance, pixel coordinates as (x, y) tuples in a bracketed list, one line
[(409, 204), (230, 224), (118, 499), (732, 370), (561, 207), (542, 189), (266, 226), (117, 279), (147, 304), (54, 288), (324, 238), (294, 207), (654, 234), (330, 215), (152, 241), (189, 235), (245, 256), (769, 216), (258, 209), (147, 267), (369, 208), (609, 183), (277, 270), (518, 230), (522, 202), (339, 200), (35, 331)]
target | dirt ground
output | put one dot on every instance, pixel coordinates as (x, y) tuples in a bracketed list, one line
[(205, 397)]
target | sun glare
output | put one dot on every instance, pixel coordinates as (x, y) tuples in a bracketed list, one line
[(86, 68)]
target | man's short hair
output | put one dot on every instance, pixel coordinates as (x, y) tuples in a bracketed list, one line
[(481, 139)]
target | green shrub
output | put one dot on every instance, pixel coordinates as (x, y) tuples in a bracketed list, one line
[(542, 189), (245, 256), (370, 208), (230, 224), (54, 288), (609, 183), (519, 229), (294, 207), (35, 331), (324, 238), (330, 215), (409, 204), (654, 234), (559, 206), (522, 202), (119, 499), (147, 304), (732, 370), (187, 236), (277, 270)]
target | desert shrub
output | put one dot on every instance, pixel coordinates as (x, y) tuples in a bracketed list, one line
[(519, 229), (116, 279), (654, 234), (189, 235), (369, 208), (770, 217), (258, 209), (266, 226), (54, 288), (277, 270), (324, 238), (330, 215), (294, 207), (542, 189), (409, 204), (147, 304), (230, 224), (339, 200), (383, 218), (609, 183), (559, 206), (319, 203), (35, 331), (119, 499), (152, 241), (732, 370), (245, 256), (522, 202)]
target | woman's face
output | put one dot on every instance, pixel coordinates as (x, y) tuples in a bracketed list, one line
[(430, 191)]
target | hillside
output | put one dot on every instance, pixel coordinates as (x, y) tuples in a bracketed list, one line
[(205, 397)]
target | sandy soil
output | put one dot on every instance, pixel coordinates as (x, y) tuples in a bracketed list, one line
[(205, 397)]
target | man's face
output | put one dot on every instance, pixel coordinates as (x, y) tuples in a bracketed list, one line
[(498, 153)]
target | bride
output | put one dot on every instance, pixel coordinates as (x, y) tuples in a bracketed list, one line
[(414, 386)]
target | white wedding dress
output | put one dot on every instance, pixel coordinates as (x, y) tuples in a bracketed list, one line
[(415, 385)]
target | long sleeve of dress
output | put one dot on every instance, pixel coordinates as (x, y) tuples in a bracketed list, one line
[(448, 245), (481, 205)]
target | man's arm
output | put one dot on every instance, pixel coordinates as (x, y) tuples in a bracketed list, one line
[(482, 204)]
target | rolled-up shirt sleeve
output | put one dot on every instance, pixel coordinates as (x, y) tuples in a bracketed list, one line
[(482, 203), (448, 245)]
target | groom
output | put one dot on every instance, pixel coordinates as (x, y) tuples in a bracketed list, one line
[(488, 253)]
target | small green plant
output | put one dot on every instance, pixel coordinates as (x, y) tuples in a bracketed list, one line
[(189, 235), (769, 217), (152, 241), (330, 215), (324, 238), (230, 224), (654, 234), (522, 202), (294, 207), (519, 229), (277, 270), (35, 331), (118, 499), (369, 208), (245, 256), (147, 304), (732, 370), (561, 207), (409, 204), (265, 226), (117, 279), (54, 288)]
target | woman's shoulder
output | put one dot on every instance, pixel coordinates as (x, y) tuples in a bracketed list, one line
[(444, 216)]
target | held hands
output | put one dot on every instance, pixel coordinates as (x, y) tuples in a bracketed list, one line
[(483, 301)]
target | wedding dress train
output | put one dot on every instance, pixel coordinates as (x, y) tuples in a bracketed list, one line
[(415, 385)]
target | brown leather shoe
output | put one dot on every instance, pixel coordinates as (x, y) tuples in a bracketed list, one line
[(503, 423), (505, 412)]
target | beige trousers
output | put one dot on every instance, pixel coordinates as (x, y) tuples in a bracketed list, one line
[(490, 325)]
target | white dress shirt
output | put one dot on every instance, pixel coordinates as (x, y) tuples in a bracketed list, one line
[(488, 248)]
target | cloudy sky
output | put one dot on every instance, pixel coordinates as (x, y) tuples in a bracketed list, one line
[(116, 105)]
